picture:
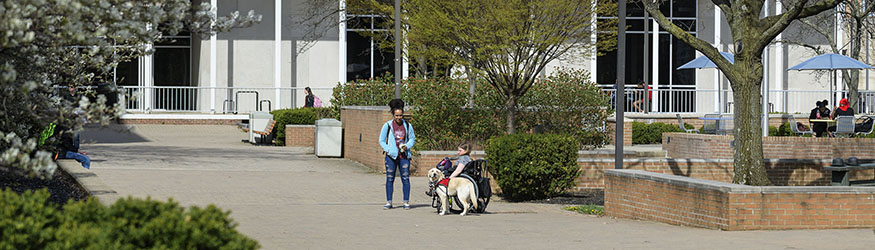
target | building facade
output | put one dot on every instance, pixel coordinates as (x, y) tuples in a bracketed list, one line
[(266, 66)]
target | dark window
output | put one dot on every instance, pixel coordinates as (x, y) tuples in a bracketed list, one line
[(358, 56), (683, 8), (364, 57), (127, 73), (682, 53), (171, 67), (687, 25)]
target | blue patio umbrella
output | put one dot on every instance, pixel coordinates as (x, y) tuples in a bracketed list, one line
[(703, 62), (830, 62)]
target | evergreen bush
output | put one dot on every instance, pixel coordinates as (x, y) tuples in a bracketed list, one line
[(533, 166), (643, 133), (567, 102), (30, 221), (298, 116), (783, 130)]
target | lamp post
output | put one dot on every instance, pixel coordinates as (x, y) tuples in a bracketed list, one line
[(397, 49), (620, 88)]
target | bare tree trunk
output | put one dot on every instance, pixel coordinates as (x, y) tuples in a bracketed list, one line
[(510, 106), (853, 79), (749, 166), (471, 86)]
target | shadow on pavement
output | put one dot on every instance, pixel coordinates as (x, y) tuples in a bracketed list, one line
[(111, 134)]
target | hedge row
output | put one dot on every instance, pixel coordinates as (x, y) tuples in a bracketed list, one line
[(298, 116), (533, 166), (643, 133), (566, 102), (30, 221)]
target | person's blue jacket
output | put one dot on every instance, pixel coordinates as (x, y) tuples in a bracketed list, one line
[(390, 148)]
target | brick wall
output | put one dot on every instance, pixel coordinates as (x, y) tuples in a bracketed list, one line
[(181, 121), (781, 172), (686, 145), (680, 200), (300, 135), (693, 119), (361, 133), (627, 131)]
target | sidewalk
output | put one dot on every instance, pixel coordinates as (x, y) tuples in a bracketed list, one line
[(286, 198)]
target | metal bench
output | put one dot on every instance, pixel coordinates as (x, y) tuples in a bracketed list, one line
[(267, 132), (841, 173)]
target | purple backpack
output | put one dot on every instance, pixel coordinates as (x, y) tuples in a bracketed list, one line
[(445, 164)]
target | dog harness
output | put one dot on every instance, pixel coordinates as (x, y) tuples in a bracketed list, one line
[(445, 182)]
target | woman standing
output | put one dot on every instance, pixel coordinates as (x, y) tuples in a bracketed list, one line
[(397, 138), (309, 99)]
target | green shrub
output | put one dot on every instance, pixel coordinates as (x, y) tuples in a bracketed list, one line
[(783, 130), (374, 92), (30, 221), (643, 133), (532, 166), (441, 119), (298, 116), (587, 209), (567, 102)]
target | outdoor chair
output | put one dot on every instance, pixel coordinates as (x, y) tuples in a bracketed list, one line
[(844, 125), (725, 125), (794, 126), (684, 128), (710, 126), (865, 131)]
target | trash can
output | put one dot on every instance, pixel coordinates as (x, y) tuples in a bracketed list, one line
[(258, 122), (329, 138)]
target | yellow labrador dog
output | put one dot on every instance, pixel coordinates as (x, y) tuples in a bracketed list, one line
[(458, 186)]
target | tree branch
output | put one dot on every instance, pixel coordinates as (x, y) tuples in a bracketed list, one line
[(695, 42)]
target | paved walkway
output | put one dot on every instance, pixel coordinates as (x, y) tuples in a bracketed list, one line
[(288, 199)]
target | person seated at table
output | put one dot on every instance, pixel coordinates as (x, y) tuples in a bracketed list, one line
[(820, 112), (844, 109), (638, 103)]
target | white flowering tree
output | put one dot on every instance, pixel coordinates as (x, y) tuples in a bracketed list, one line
[(45, 44)]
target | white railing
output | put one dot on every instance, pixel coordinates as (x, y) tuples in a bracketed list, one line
[(673, 100), (707, 101), (227, 99)]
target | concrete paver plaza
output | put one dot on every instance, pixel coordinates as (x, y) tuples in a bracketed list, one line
[(286, 198)]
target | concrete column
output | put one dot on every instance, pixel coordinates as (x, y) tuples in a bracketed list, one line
[(655, 65), (277, 51), (779, 64), (593, 60), (215, 10), (718, 96), (341, 40)]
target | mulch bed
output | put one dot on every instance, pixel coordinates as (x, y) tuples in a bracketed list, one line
[(593, 197), (61, 186)]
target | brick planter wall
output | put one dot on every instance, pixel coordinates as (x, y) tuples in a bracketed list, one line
[(693, 118), (361, 131), (680, 200), (627, 130), (783, 172), (181, 121), (300, 135), (687, 145)]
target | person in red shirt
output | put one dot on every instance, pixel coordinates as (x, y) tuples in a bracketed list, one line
[(637, 104)]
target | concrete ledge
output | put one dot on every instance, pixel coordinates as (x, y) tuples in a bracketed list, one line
[(185, 116), (369, 108), (681, 200), (680, 180), (89, 181)]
